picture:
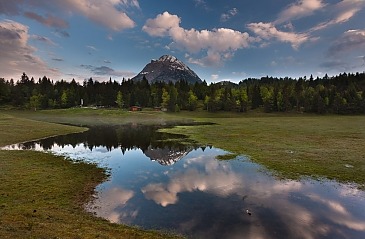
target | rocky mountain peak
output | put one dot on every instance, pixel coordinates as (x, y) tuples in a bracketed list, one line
[(168, 58), (167, 68)]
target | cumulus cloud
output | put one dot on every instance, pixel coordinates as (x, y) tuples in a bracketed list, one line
[(228, 15), (162, 24), (300, 9), (17, 56), (219, 44), (268, 31)]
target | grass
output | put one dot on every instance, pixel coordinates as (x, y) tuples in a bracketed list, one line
[(42, 196), (93, 117), (291, 146)]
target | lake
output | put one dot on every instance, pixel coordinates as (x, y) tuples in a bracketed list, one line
[(162, 181)]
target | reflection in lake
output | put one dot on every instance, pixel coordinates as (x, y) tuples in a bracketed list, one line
[(167, 185)]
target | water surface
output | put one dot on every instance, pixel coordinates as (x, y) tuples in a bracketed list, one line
[(157, 182)]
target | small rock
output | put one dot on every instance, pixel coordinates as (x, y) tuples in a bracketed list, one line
[(248, 212)]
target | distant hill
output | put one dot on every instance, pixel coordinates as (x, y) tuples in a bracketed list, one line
[(167, 68)]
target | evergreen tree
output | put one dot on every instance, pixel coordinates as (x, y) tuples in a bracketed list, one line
[(119, 99)]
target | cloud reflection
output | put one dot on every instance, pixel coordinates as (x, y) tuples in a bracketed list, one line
[(296, 209), (111, 201), (215, 178)]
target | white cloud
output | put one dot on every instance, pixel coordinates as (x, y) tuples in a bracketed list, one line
[(268, 31), (300, 9), (162, 24), (17, 56), (344, 11), (214, 179), (219, 44), (229, 14)]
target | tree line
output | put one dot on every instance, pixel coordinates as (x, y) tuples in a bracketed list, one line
[(341, 94)]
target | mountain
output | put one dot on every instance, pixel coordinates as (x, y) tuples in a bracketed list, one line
[(165, 156), (167, 68)]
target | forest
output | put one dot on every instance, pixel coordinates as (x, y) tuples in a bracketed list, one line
[(341, 94)]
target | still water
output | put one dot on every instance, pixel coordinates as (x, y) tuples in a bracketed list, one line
[(157, 182)]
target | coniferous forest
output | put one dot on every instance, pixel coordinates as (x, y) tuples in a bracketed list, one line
[(341, 94)]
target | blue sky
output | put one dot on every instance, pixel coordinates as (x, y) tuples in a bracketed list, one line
[(219, 40)]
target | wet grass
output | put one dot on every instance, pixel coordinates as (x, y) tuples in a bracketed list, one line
[(42, 196)]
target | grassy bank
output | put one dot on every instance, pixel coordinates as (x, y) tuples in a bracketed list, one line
[(292, 146), (41, 195)]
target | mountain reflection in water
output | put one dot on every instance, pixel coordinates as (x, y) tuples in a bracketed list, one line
[(191, 192)]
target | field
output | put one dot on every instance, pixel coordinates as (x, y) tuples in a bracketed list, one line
[(45, 200)]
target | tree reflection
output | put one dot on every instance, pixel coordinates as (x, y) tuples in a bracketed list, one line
[(158, 146)]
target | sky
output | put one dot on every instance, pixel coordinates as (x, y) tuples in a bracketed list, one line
[(220, 40)]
